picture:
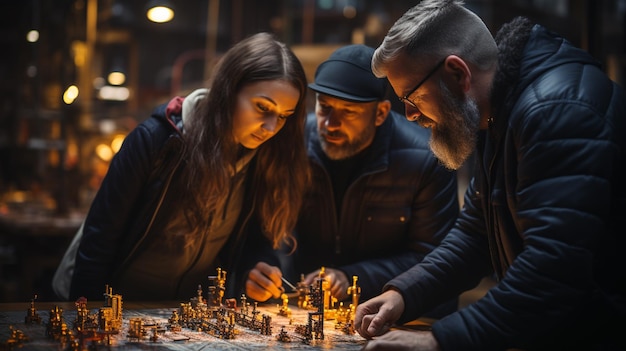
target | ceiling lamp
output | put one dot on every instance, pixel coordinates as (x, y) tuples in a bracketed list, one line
[(159, 11)]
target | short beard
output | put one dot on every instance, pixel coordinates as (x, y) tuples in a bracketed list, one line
[(454, 138), (350, 148)]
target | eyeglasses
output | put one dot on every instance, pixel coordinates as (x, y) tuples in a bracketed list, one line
[(405, 98)]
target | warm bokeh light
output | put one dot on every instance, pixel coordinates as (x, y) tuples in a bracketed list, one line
[(160, 14), (104, 152), (116, 143), (72, 153), (32, 36), (79, 52), (70, 94), (116, 78), (108, 92)]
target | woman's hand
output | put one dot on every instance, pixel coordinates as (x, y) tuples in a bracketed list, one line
[(264, 282)]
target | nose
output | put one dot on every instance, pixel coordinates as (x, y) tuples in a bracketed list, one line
[(332, 121), (411, 113), (270, 122)]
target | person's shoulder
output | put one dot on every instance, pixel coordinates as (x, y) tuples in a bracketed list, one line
[(158, 120), (155, 129)]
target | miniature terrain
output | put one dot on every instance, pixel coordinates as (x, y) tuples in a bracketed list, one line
[(209, 322)]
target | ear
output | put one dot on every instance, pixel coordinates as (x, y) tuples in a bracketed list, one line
[(459, 73), (382, 111)]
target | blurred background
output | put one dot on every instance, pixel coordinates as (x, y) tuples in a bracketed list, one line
[(77, 75)]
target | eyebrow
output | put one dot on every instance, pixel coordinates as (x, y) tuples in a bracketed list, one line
[(268, 98), (275, 104)]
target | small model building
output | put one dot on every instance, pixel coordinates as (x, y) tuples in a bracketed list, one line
[(16, 339), (111, 312), (217, 288), (32, 316), (303, 293), (136, 330)]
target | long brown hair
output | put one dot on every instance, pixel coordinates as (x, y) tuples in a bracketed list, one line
[(281, 168)]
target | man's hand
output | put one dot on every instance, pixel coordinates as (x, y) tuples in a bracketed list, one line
[(375, 316), (264, 282), (403, 340), (338, 282)]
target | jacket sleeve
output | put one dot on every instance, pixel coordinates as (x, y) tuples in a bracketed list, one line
[(456, 265), (110, 214)]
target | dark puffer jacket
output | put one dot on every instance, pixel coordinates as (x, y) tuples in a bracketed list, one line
[(398, 207), (545, 210), (133, 237)]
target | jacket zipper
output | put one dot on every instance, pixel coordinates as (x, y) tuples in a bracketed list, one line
[(337, 225), (496, 242)]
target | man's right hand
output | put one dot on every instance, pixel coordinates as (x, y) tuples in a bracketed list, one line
[(264, 282), (375, 316)]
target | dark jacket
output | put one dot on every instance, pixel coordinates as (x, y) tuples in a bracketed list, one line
[(133, 233), (398, 207), (545, 209)]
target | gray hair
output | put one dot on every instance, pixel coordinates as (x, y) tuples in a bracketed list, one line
[(434, 29)]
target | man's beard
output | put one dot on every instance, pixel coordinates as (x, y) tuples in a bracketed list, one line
[(348, 148), (454, 138)]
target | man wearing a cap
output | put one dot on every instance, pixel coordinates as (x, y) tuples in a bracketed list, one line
[(380, 200)]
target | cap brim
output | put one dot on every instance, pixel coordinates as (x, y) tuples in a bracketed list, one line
[(339, 94)]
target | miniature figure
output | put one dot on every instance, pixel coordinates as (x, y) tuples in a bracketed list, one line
[(355, 291), (283, 336), (173, 322), (284, 309)]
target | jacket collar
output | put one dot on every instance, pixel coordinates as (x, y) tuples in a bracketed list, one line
[(511, 40)]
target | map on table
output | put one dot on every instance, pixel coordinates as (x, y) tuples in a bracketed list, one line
[(161, 338)]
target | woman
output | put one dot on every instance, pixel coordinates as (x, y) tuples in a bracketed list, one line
[(191, 181)]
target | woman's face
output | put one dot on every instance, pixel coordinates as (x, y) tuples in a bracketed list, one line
[(262, 110)]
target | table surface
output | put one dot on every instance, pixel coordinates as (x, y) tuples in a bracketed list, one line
[(12, 317)]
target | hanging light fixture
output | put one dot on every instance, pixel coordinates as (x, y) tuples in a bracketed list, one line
[(159, 11)]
